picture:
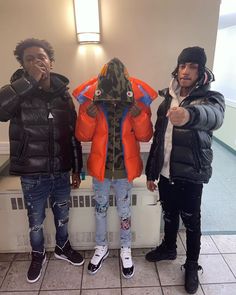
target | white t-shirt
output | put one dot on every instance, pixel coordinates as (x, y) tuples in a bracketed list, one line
[(174, 90)]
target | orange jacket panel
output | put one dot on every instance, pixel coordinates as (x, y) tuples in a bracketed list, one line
[(134, 129)]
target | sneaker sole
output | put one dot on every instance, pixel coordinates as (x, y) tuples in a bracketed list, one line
[(128, 277), (38, 277), (103, 258), (66, 259), (155, 260)]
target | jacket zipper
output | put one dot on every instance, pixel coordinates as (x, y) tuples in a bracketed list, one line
[(114, 133), (197, 161), (50, 118)]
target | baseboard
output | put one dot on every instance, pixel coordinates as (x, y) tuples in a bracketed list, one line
[(4, 148), (224, 145)]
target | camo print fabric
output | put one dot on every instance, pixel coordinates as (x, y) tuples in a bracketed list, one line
[(115, 167), (113, 83), (114, 93)]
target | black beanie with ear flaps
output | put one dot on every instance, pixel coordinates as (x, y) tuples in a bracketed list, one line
[(193, 54)]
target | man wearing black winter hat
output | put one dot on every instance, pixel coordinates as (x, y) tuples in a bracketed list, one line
[(181, 155)]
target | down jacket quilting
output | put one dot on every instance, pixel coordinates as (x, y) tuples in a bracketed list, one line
[(191, 154), (42, 126)]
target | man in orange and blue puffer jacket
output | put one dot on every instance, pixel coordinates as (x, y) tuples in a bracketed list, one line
[(115, 115)]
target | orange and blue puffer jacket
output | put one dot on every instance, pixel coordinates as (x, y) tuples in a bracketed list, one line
[(113, 83)]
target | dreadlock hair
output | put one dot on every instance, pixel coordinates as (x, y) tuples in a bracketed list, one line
[(31, 42)]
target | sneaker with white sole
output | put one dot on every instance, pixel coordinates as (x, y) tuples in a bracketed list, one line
[(101, 253), (127, 263), (68, 254), (35, 269)]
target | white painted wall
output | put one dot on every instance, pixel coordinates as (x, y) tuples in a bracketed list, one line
[(147, 35)]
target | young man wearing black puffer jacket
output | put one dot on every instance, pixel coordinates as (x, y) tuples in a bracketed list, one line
[(43, 148), (181, 155)]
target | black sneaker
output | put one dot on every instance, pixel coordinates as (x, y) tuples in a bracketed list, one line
[(161, 253), (35, 269), (68, 254), (101, 253), (191, 276), (127, 263)]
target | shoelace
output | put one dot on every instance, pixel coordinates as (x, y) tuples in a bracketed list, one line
[(126, 253), (99, 251), (36, 262), (69, 252)]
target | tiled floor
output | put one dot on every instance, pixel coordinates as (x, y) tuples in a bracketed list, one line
[(218, 199), (218, 259)]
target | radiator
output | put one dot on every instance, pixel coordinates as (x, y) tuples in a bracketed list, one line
[(14, 229)]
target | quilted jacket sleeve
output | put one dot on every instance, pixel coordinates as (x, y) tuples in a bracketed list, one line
[(208, 115), (10, 96), (142, 124), (85, 125)]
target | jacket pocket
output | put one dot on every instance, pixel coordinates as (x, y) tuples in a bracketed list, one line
[(29, 183), (196, 150), (23, 146)]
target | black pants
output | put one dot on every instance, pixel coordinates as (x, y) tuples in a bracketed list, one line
[(182, 198)]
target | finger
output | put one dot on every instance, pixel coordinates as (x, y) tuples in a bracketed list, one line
[(74, 183)]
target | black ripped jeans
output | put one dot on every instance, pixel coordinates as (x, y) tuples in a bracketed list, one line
[(183, 199)]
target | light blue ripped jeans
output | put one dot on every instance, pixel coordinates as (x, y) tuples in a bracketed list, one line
[(122, 188)]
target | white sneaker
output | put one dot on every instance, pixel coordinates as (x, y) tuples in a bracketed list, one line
[(101, 253), (127, 263)]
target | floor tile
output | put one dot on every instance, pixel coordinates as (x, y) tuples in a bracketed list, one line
[(208, 246), (102, 292), (62, 275), (225, 243), (231, 261), (179, 290), (214, 203), (145, 274), (140, 251), (23, 256), (215, 270), (7, 256), (4, 266), (20, 293), (142, 291), (170, 271), (220, 289), (16, 278), (62, 292), (107, 277)]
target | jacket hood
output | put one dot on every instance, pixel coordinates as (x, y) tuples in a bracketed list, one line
[(113, 83), (59, 82)]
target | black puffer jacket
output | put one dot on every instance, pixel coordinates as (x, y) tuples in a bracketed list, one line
[(191, 154), (41, 126)]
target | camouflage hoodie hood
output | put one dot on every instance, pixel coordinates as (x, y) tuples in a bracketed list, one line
[(113, 84)]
